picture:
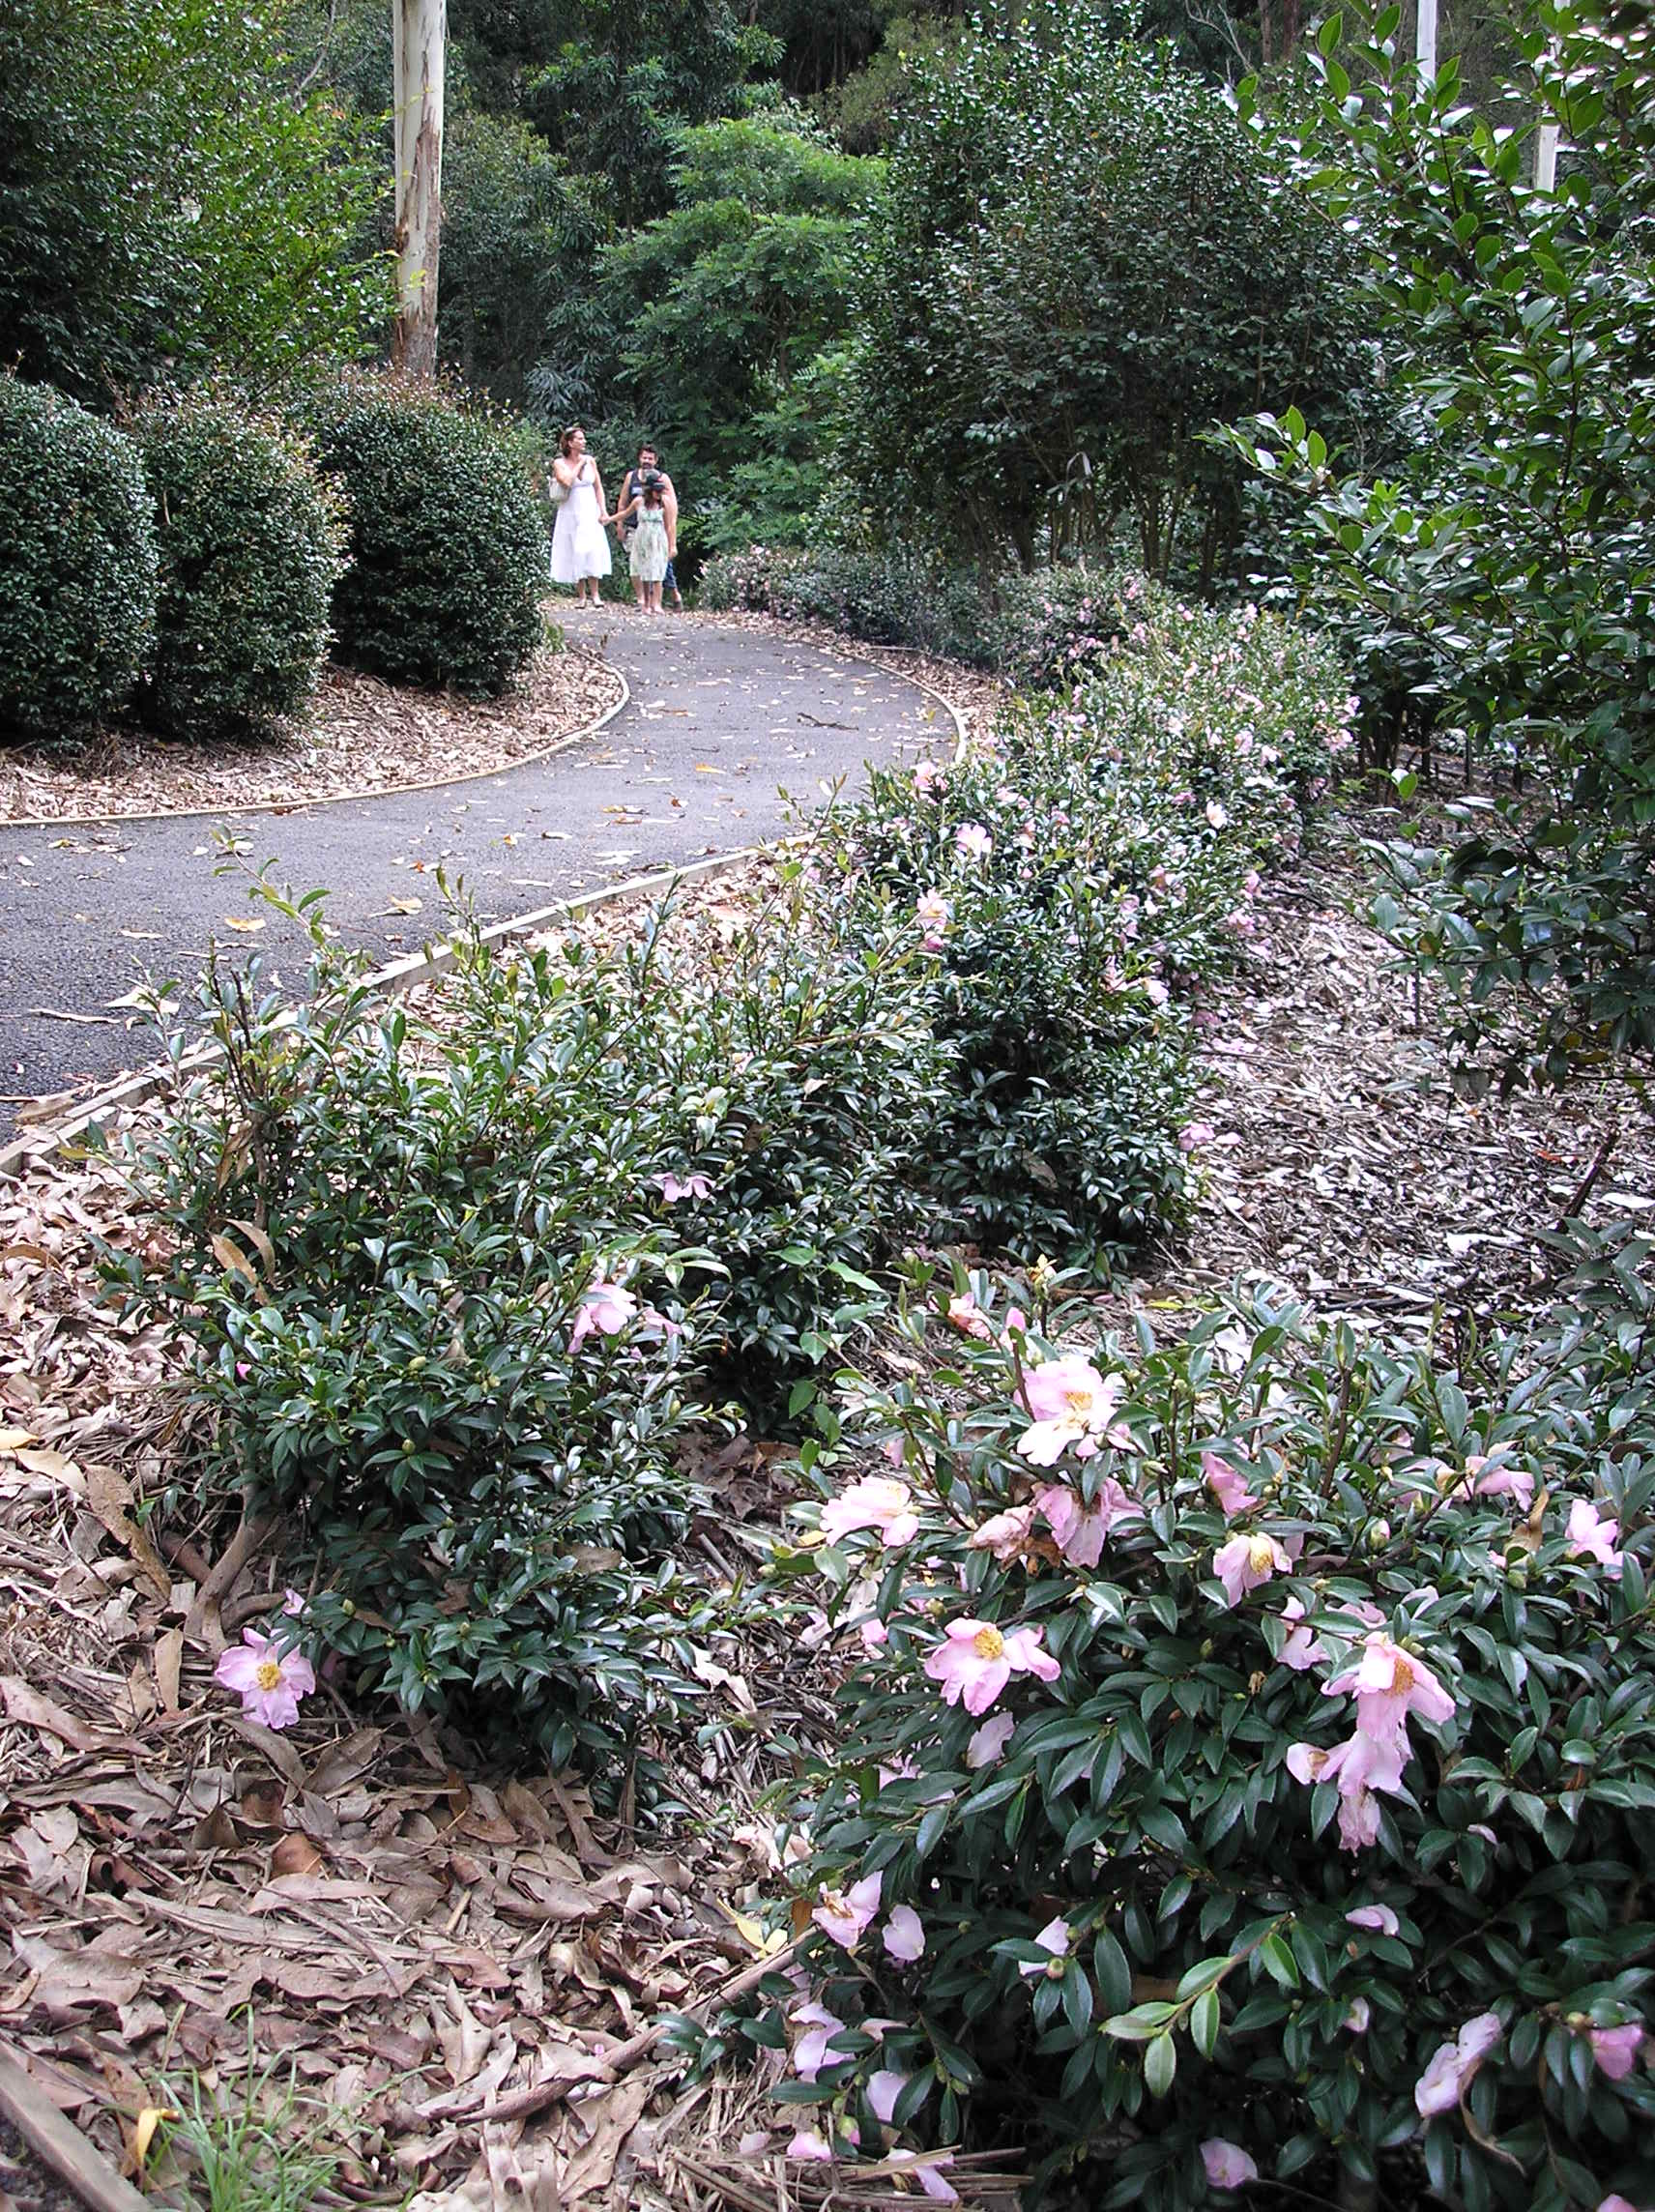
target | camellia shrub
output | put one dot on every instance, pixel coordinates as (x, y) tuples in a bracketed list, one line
[(457, 1286), (251, 545), (1077, 872), (77, 563), (1246, 1772), (448, 549)]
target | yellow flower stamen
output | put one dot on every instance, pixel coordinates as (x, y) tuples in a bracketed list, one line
[(988, 1644), (269, 1674)]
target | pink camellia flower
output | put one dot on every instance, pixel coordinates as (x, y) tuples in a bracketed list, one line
[(1246, 1562), (808, 2144), (967, 1316), (1194, 1135), (673, 1187), (1071, 1406), (844, 1913), (1229, 1487), (1055, 1939), (1378, 1919), (1390, 1683), (903, 1936), (929, 778), (1356, 2019), (1004, 1535), (972, 842), (1080, 1529), (1615, 2203), (1360, 1766), (813, 2049), (933, 912), (895, 1450), (873, 1502), (1617, 2049), (1227, 2165), (270, 1682), (1250, 881), (926, 2168), (1303, 1649), (604, 1310), (1488, 1476), (1452, 2065), (1216, 812), (1155, 991), (875, 1634), (975, 1660), (884, 2089), (987, 1744), (1591, 1537)]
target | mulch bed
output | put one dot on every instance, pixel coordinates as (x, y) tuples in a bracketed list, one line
[(361, 736), (465, 1965)]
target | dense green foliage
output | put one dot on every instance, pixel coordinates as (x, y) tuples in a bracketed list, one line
[(77, 563), (1117, 1922), (168, 205), (250, 545), (447, 548), (1082, 263), (1079, 882), (1499, 581)]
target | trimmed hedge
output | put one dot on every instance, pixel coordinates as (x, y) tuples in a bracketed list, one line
[(252, 547), (447, 548), (77, 563)]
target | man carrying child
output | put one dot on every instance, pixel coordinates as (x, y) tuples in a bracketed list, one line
[(629, 508)]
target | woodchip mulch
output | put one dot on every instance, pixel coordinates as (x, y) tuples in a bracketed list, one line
[(361, 736)]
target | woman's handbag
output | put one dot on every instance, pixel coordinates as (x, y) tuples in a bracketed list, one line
[(558, 490)]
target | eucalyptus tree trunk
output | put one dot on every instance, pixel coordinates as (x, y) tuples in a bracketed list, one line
[(419, 36), (1424, 42)]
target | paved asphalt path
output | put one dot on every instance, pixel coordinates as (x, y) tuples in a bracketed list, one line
[(721, 721)]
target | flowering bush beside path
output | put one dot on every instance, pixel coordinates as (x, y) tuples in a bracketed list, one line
[(1248, 1758)]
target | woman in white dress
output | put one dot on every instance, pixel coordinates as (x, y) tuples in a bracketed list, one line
[(580, 545)]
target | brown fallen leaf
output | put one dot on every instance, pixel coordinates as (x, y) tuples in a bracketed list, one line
[(109, 1495), (69, 1982), (296, 1854), (611, 2119), (31, 1710), (167, 1659)]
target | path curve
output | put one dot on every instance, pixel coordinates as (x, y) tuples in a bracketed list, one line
[(719, 722)]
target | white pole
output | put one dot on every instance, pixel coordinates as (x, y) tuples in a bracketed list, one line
[(1424, 42), (1546, 157), (419, 37)]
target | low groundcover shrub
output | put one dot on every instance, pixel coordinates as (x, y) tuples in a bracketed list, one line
[(1248, 1761)]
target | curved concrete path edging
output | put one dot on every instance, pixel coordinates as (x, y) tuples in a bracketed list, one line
[(532, 759), (54, 1140)]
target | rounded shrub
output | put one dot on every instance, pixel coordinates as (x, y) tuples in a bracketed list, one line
[(447, 548), (77, 563), (251, 545)]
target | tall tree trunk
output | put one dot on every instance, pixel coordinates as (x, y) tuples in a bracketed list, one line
[(419, 36)]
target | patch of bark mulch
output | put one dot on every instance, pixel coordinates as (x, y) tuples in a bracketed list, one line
[(361, 736), (1343, 1164), (465, 1969)]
